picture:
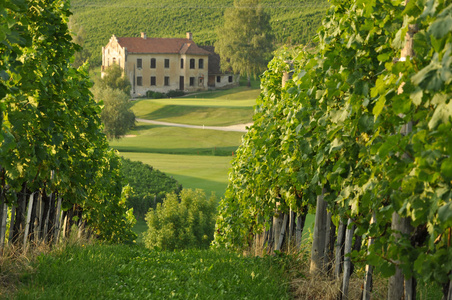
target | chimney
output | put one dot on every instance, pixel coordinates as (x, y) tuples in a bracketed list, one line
[(143, 35), (189, 36)]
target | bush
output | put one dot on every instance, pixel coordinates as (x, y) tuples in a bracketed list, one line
[(175, 93), (154, 95), (149, 186), (182, 223)]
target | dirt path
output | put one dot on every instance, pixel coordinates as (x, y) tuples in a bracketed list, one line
[(237, 128)]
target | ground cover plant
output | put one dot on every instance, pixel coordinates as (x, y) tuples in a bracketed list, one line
[(134, 272)]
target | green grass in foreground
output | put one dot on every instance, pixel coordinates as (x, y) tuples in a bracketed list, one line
[(134, 272)]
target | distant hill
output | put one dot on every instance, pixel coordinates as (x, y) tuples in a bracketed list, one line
[(293, 21)]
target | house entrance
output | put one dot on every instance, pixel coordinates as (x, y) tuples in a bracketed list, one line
[(181, 83)]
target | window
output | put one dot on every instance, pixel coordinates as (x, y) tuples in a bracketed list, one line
[(201, 63), (152, 80), (192, 81), (166, 80), (152, 63), (230, 78), (181, 63), (166, 63), (192, 63), (201, 81), (139, 81), (218, 78), (139, 63)]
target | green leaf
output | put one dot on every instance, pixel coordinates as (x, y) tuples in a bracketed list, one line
[(416, 96), (379, 106), (445, 214), (441, 27), (442, 114), (401, 104), (446, 168)]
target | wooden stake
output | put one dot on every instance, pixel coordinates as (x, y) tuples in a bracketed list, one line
[(318, 243), (339, 249), (367, 288), (282, 232), (58, 216), (347, 260), (11, 224), (4, 211), (28, 221)]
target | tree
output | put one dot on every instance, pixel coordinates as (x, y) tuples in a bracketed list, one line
[(114, 89), (245, 40), (116, 114), (114, 78)]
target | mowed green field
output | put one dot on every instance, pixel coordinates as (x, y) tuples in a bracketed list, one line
[(197, 158)]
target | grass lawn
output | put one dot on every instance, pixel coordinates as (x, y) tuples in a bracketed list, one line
[(209, 173), (211, 108), (173, 140)]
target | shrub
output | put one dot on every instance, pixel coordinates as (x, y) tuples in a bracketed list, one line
[(149, 186), (154, 95), (174, 93), (182, 223)]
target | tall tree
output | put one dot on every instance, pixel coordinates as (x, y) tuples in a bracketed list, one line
[(245, 41), (114, 78), (116, 114)]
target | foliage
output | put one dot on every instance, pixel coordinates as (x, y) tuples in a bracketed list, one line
[(134, 272), (337, 125), (154, 95), (293, 22), (245, 40), (174, 93), (82, 55), (181, 222), (116, 114), (149, 185), (114, 78), (51, 135)]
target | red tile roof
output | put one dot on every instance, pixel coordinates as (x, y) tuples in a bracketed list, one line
[(161, 45)]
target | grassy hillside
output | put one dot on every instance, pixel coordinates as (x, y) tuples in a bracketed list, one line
[(293, 21)]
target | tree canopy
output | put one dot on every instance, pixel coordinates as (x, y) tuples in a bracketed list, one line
[(245, 41)]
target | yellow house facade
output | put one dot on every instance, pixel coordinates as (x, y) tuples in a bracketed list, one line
[(159, 64)]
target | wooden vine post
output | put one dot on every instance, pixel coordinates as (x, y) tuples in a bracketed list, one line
[(347, 261), (398, 286), (367, 287), (318, 243)]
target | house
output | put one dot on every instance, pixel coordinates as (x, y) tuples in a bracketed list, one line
[(217, 79), (165, 64)]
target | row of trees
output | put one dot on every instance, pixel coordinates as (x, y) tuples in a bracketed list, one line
[(360, 136), (52, 148)]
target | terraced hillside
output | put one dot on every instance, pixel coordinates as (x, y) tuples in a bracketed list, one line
[(293, 21)]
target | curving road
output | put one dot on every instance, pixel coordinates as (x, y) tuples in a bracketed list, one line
[(237, 128)]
